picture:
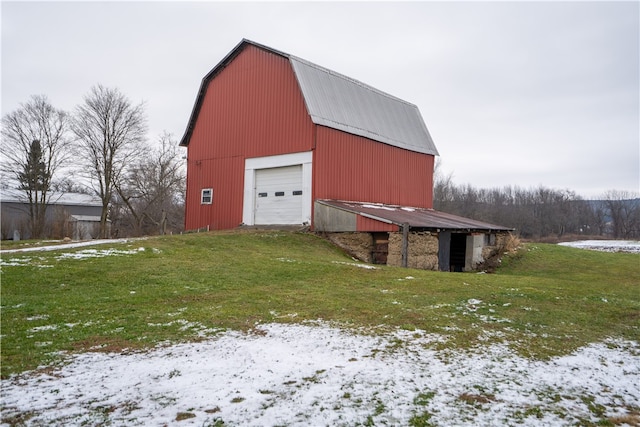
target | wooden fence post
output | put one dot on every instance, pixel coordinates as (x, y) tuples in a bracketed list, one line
[(405, 244)]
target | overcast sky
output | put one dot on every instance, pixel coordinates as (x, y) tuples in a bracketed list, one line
[(513, 93)]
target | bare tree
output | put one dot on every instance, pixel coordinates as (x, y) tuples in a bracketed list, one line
[(624, 211), (110, 132), (70, 185), (443, 187), (35, 146), (153, 191)]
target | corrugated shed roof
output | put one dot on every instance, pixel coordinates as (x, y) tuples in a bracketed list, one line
[(339, 102), (415, 217)]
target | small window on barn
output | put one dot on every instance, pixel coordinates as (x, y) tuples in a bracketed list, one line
[(206, 196), (279, 193), (297, 193)]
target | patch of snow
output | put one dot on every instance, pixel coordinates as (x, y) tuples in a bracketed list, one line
[(82, 254), (632, 246), (383, 207), (44, 328), (97, 253), (68, 245), (315, 374), (38, 317), (365, 266)]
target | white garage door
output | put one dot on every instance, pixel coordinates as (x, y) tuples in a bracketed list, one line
[(278, 195)]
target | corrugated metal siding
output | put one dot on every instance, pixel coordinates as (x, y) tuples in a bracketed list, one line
[(252, 108), (350, 167), (226, 177), (371, 225), (340, 102)]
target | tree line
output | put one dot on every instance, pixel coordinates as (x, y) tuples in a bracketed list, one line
[(541, 212), (100, 148)]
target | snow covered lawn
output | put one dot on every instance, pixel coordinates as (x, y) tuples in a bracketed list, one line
[(317, 374), (632, 246)]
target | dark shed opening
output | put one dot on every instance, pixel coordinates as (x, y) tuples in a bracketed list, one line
[(458, 252), (380, 248)]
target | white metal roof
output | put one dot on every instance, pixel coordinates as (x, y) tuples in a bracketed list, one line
[(342, 103), (87, 218), (54, 198)]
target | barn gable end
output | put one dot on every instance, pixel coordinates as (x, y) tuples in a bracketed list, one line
[(249, 107)]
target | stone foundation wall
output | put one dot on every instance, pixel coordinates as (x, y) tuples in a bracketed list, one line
[(490, 251), (423, 250), (358, 245)]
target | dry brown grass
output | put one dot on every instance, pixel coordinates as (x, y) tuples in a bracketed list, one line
[(184, 416), (631, 419), (511, 243), (474, 399)]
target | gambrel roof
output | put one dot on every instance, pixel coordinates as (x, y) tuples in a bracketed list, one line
[(340, 102)]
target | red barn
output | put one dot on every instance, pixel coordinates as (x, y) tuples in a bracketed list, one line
[(270, 133), (273, 139)]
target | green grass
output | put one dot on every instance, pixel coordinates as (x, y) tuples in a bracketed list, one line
[(544, 301)]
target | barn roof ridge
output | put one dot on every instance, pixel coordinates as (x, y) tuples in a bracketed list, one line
[(340, 102), (350, 79), (326, 70)]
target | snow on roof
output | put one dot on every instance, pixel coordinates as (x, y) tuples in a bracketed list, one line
[(55, 198)]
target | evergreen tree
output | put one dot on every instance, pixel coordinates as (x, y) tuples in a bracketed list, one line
[(35, 146), (35, 180), (34, 176)]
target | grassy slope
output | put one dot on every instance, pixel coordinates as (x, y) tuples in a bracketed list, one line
[(545, 301)]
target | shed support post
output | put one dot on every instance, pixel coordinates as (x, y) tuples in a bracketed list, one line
[(405, 244)]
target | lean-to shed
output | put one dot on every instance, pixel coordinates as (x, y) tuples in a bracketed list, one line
[(409, 236)]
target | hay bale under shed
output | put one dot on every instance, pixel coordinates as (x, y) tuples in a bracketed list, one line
[(358, 245), (422, 250)]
